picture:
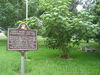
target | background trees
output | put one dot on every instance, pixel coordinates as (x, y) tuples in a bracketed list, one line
[(96, 13), (9, 13), (13, 10)]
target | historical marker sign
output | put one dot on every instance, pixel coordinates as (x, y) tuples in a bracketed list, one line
[(22, 38)]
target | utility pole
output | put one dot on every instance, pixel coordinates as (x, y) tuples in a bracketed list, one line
[(26, 9)]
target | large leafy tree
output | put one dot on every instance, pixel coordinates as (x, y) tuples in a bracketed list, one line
[(60, 26)]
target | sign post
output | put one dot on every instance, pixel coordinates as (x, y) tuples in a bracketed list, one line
[(22, 39), (22, 62)]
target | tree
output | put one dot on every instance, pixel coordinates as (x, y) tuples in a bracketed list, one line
[(60, 27)]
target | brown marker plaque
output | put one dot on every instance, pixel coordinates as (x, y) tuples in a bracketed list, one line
[(22, 38)]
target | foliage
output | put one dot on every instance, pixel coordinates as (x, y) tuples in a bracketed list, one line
[(12, 11), (89, 19), (88, 29), (59, 27), (32, 22), (96, 13)]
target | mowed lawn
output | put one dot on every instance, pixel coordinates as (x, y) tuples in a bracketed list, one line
[(46, 61)]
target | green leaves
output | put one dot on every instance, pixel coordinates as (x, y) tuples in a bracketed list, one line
[(33, 23), (58, 26)]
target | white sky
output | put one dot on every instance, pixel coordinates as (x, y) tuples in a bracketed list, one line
[(79, 7)]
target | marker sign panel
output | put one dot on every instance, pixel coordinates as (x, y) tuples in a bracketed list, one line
[(22, 39)]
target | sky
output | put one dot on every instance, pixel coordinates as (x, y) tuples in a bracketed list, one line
[(79, 7)]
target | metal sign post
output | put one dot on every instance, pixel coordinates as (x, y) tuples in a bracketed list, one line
[(22, 62)]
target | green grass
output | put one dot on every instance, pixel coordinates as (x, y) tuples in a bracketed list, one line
[(45, 61)]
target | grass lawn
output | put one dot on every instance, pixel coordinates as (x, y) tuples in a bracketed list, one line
[(45, 61)]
